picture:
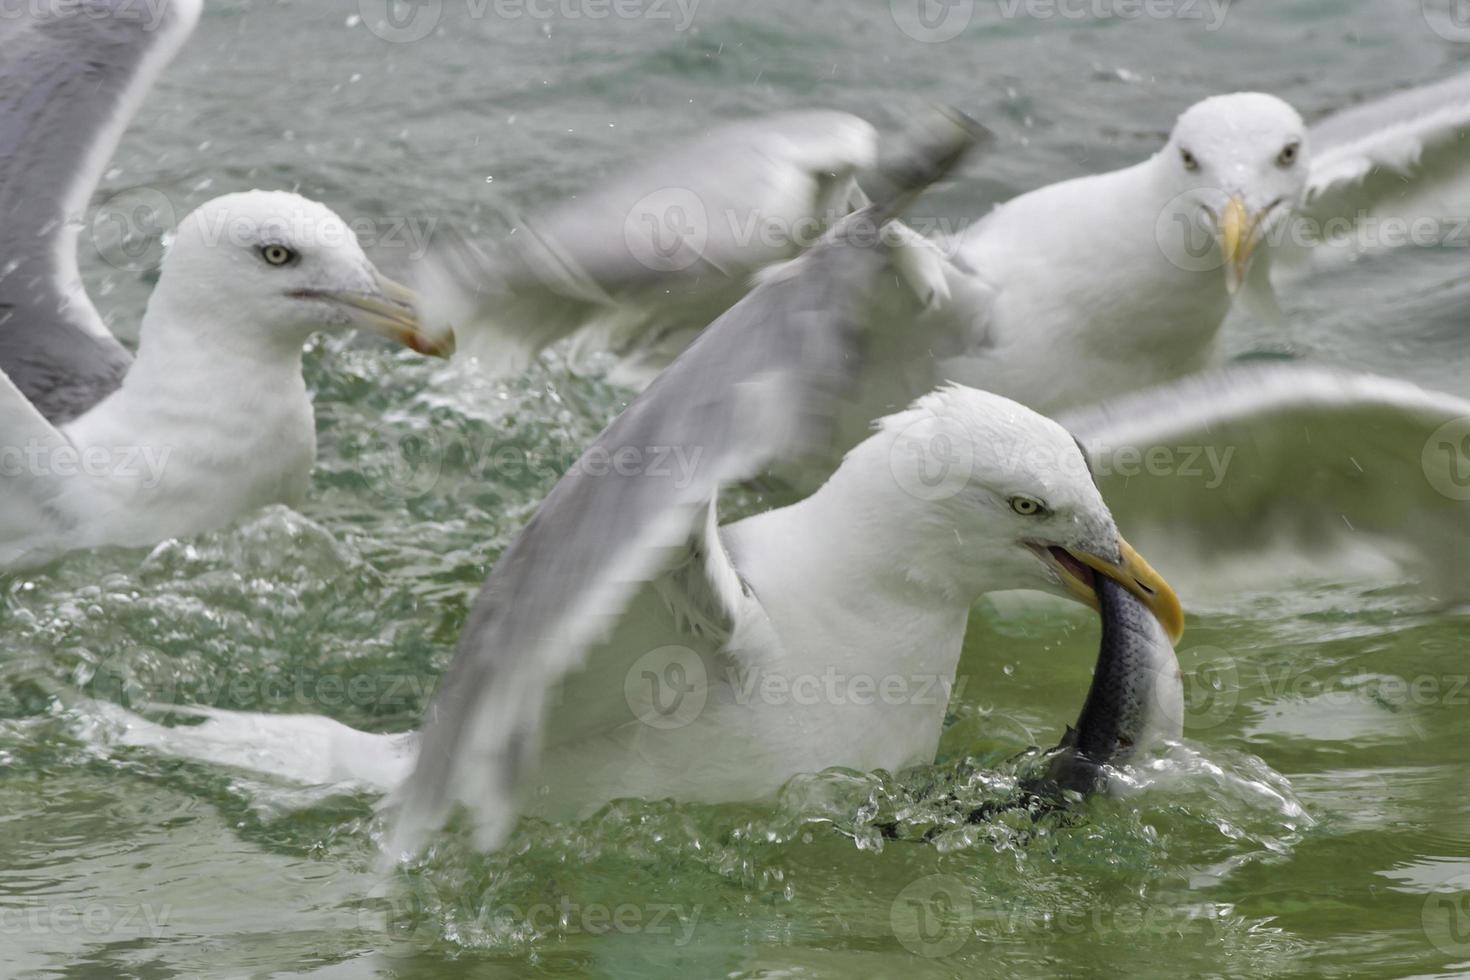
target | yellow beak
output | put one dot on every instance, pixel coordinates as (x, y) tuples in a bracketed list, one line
[(392, 312), (1135, 575), (1237, 229)]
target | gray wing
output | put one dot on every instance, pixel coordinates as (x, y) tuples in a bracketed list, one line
[(70, 82), (760, 385), (1390, 172), (757, 386), (638, 266), (1288, 468)]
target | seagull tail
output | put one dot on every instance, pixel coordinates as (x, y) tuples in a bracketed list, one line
[(306, 749)]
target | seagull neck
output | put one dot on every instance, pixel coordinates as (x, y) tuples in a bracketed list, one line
[(208, 376), (177, 338), (855, 535)]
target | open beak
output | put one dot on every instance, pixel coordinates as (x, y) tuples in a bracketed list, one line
[(392, 312), (1078, 569), (1239, 234)]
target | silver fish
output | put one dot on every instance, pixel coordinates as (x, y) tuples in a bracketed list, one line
[(1135, 703)]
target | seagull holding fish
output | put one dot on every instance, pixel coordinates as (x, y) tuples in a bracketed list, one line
[(625, 581), (628, 644), (212, 418)]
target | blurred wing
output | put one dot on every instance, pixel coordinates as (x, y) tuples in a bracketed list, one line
[(29, 486), (1391, 172), (758, 386), (70, 80), (638, 267), (1263, 460)]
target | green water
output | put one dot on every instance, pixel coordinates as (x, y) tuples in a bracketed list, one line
[(1315, 822)]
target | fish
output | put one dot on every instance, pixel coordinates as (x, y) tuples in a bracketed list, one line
[(1134, 706)]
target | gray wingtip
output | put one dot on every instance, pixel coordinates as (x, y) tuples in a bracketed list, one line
[(943, 141)]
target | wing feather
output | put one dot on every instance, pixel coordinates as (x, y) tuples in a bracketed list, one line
[(72, 78), (1263, 459)]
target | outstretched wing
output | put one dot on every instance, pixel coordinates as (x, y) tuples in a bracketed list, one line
[(1265, 459), (70, 80), (638, 267), (1391, 172), (760, 385)]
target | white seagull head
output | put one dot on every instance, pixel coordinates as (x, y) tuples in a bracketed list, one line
[(269, 268), (996, 496), (1242, 159)]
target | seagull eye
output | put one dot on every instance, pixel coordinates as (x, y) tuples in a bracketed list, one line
[(1288, 154), (1190, 163), (1027, 506), (277, 255)]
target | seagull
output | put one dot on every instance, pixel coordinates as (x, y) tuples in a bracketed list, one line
[(825, 633), (628, 644), (212, 418), (1072, 293)]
